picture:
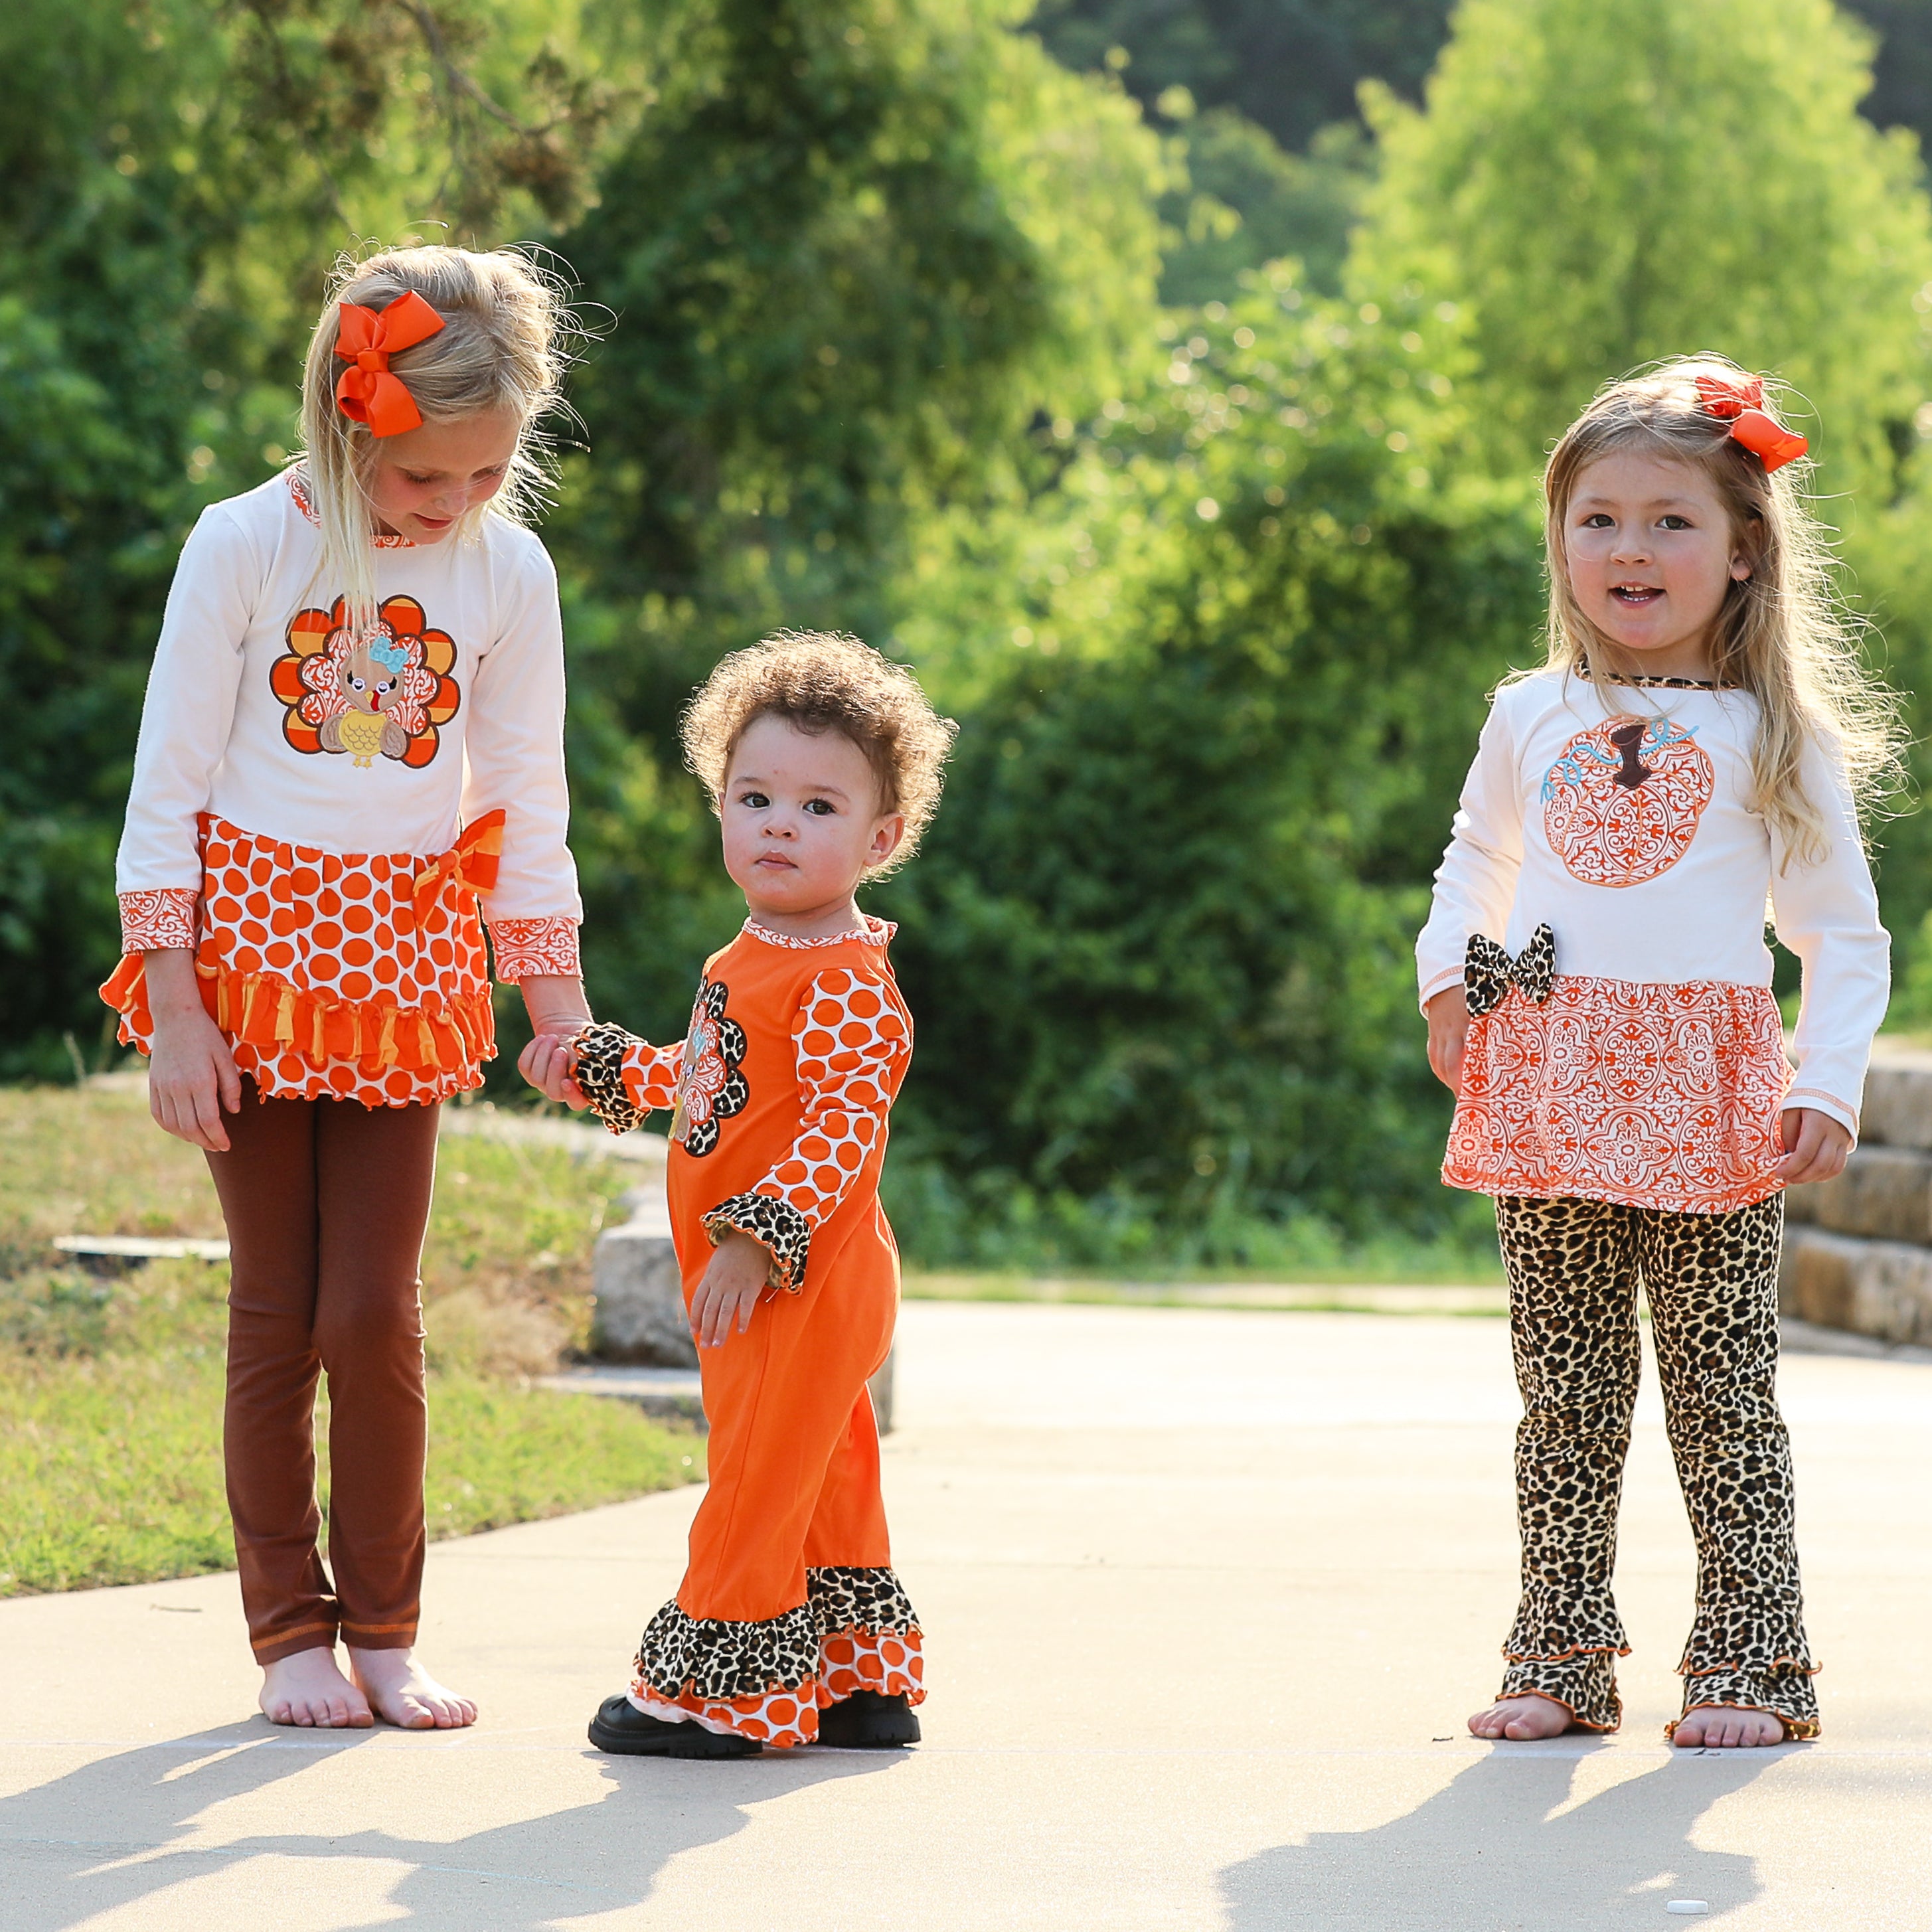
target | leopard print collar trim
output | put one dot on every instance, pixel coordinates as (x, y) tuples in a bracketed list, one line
[(1644, 683), (874, 932), (298, 489)]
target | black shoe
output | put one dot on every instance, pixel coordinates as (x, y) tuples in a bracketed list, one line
[(867, 1721), (621, 1727)]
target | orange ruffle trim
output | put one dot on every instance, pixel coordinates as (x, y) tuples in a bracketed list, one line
[(275, 1018)]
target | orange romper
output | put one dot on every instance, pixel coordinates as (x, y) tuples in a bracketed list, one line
[(780, 1091)]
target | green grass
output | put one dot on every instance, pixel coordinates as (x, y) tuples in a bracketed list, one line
[(110, 1388)]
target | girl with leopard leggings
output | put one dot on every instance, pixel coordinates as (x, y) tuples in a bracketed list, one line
[(1598, 993)]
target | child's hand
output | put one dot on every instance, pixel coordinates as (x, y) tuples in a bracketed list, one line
[(192, 1078), (1815, 1147), (733, 1282), (549, 1064), (1448, 1035)]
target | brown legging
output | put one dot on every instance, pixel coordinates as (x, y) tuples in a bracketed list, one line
[(326, 1202)]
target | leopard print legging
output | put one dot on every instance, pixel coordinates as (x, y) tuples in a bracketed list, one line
[(1710, 1281)]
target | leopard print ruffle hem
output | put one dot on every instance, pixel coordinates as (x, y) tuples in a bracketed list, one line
[(713, 1661)]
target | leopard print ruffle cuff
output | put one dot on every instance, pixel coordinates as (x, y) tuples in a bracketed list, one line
[(777, 1225), (1786, 1692), (708, 1658), (598, 1067), (1584, 1683), (871, 1601)]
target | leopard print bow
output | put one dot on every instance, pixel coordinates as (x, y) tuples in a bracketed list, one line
[(1488, 972)]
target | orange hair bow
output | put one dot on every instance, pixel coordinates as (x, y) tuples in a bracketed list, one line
[(1741, 404), (368, 393)]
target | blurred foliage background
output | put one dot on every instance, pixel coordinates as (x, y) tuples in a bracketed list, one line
[(1166, 379)]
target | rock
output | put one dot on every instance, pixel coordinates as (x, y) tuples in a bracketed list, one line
[(638, 1311), (1884, 1194), (881, 1386), (1897, 1110), (1881, 1289)]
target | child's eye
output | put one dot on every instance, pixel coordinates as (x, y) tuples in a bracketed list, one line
[(1598, 520), (420, 482), (820, 807), (757, 800), (1674, 522)]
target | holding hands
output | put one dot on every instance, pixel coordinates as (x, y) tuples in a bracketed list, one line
[(735, 1277)]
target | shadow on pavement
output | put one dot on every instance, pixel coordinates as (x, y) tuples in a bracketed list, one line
[(1496, 1850), (123, 1830)]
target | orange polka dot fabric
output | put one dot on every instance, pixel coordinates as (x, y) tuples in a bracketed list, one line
[(852, 1042), (332, 974)]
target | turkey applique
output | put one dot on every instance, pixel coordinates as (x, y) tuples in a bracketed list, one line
[(384, 694), (1621, 804), (712, 1088)]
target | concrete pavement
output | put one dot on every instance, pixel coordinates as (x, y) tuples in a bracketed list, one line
[(1208, 1596)]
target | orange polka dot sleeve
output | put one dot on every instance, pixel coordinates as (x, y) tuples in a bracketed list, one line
[(851, 1042), (625, 1077)]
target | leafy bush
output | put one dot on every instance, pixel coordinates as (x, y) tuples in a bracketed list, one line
[(1159, 944)]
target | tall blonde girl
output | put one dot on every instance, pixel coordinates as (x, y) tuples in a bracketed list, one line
[(350, 760), (1598, 994)]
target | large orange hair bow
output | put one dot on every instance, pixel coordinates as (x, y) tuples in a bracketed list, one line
[(368, 393), (1741, 404)]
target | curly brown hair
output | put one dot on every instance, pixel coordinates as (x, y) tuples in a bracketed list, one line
[(825, 681)]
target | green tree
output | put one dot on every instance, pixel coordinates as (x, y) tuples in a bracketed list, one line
[(867, 262), (1606, 185), (1159, 939), (179, 177), (1290, 66)]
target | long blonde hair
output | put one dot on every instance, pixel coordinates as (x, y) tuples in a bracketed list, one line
[(498, 348), (1782, 634)]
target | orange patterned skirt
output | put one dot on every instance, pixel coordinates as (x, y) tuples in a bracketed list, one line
[(349, 976), (1655, 1096)]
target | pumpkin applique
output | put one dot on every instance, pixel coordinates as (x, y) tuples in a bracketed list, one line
[(385, 694), (1621, 804)]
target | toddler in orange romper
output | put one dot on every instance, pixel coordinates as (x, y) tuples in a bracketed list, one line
[(824, 762)]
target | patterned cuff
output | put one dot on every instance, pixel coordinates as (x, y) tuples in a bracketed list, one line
[(776, 1224), (598, 1067), (535, 949), (154, 922)]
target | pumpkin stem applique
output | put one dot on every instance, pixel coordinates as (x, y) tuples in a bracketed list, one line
[(711, 1086), (385, 694), (1627, 738), (1621, 805)]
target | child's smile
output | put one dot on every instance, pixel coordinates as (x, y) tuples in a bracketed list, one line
[(1652, 557)]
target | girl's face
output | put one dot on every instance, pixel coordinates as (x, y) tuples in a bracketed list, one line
[(424, 480), (802, 821), (1651, 554)]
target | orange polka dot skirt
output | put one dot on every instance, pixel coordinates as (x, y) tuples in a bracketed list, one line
[(355, 976), (769, 1680)]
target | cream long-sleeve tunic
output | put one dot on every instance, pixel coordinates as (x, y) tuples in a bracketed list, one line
[(1654, 1073), (319, 814)]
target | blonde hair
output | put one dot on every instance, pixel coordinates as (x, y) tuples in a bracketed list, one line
[(824, 681), (497, 348), (1782, 634)]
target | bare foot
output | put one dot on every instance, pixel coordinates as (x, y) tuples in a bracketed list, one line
[(1726, 1727), (402, 1693), (308, 1689), (1520, 1718)]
